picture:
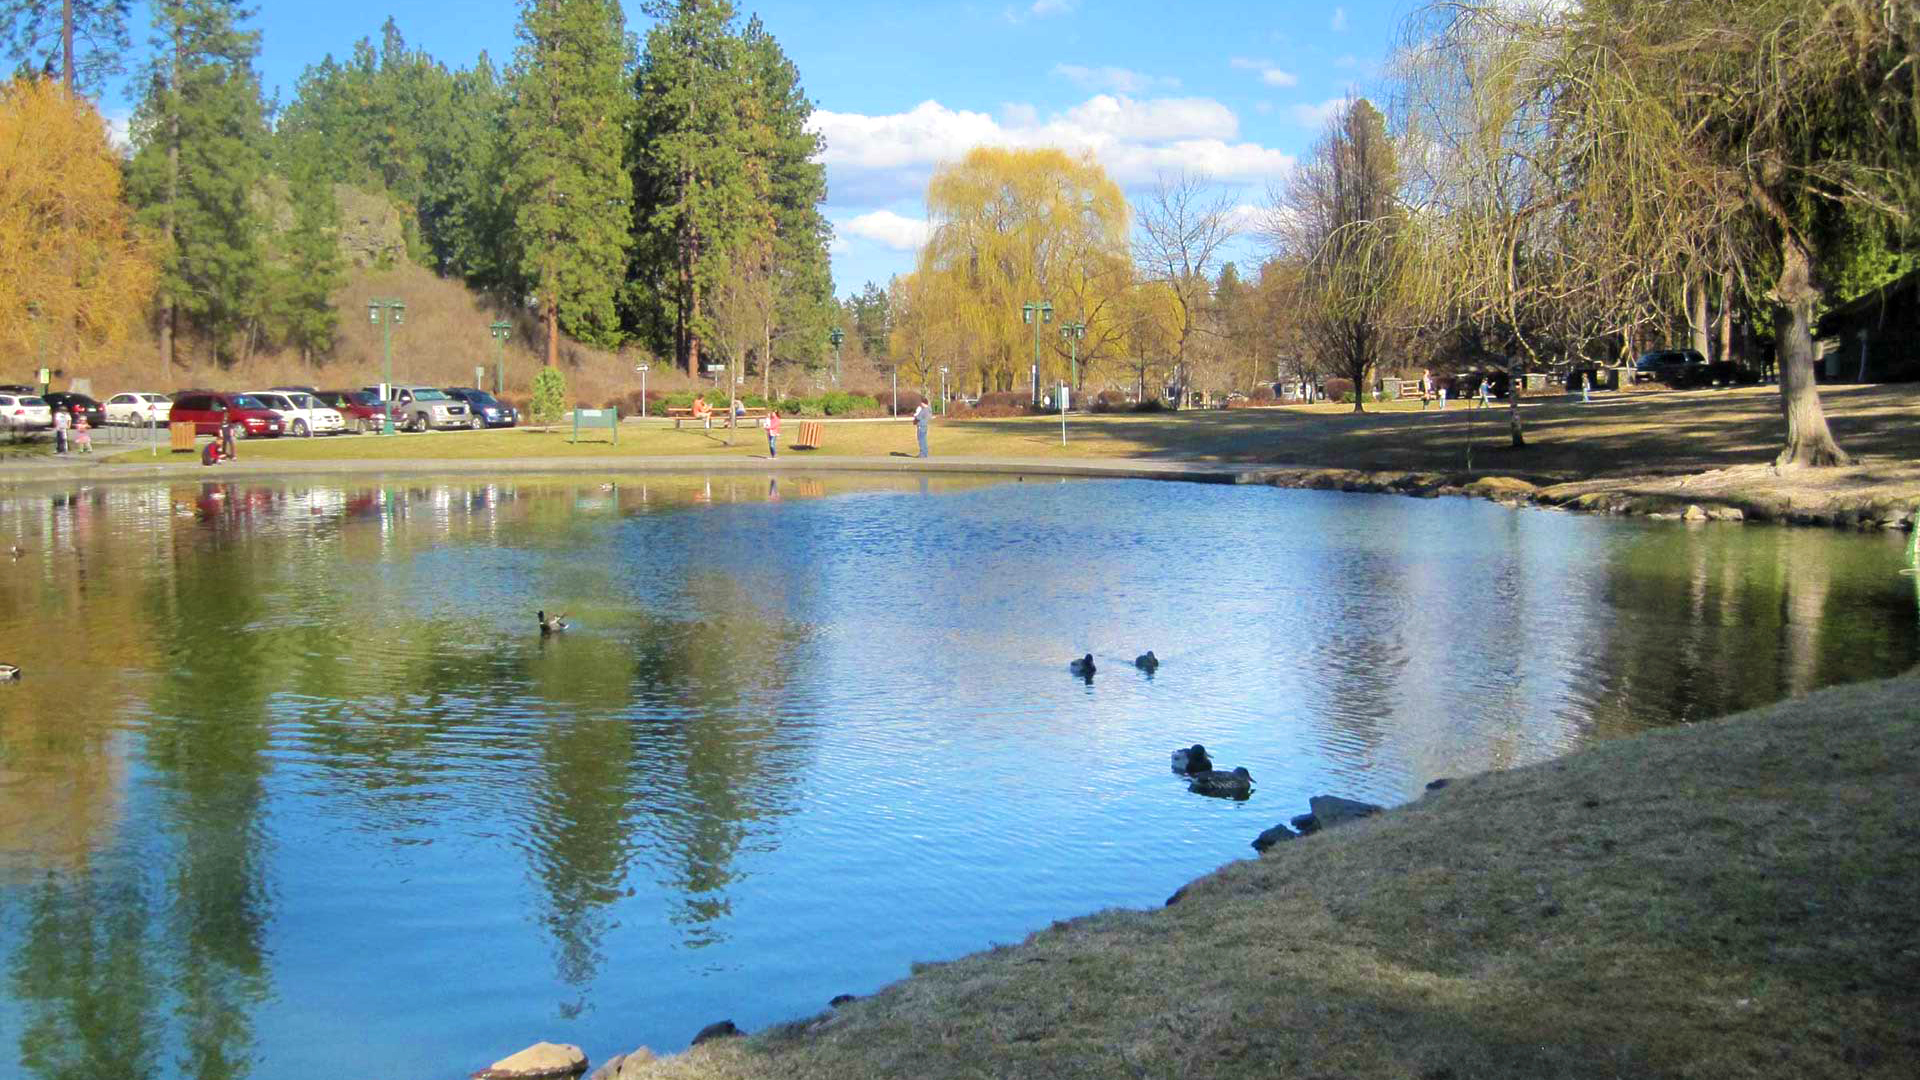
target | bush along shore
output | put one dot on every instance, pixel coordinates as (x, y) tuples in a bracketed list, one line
[(1822, 498), (1728, 899)]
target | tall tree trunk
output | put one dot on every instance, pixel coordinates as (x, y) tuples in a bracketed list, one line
[(168, 309), (1809, 443), (1726, 316), (66, 46), (1516, 382), (552, 315), (1697, 319)]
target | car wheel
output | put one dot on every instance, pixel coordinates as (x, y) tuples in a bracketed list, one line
[(300, 428), (476, 423), (417, 422)]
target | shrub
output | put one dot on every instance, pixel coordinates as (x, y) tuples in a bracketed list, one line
[(1150, 405), (549, 396), (1263, 394), (1338, 389)]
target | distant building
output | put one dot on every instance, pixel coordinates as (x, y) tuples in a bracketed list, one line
[(1875, 337)]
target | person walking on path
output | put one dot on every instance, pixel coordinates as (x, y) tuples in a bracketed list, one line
[(1486, 393), (1586, 388), (1426, 388), (82, 434), (60, 421), (772, 423), (922, 416)]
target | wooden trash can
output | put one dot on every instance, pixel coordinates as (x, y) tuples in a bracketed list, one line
[(182, 436), (810, 436)]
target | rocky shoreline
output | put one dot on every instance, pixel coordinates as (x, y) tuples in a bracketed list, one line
[(1749, 493)]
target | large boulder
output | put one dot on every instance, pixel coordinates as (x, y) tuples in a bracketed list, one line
[(719, 1029), (1279, 834), (541, 1061), (1331, 810), (624, 1066)]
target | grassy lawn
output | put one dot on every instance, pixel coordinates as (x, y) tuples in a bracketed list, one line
[(1733, 899), (1616, 435)]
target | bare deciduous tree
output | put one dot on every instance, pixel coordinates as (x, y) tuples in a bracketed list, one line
[(1182, 226)]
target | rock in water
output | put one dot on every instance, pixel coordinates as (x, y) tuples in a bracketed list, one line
[(1277, 834), (1307, 824), (722, 1029), (1331, 810), (1436, 785), (541, 1061)]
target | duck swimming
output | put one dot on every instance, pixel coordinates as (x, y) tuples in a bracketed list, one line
[(9, 673), (554, 625), (1193, 759), (1082, 666), (1147, 662), (1237, 784)]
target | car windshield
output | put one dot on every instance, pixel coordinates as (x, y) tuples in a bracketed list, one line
[(33, 401), (480, 397), (429, 395), (156, 399), (247, 401), (274, 401), (301, 401)]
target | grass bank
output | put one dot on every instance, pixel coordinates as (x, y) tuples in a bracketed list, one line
[(1732, 899)]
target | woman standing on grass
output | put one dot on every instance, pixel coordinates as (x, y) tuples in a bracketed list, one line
[(772, 423)]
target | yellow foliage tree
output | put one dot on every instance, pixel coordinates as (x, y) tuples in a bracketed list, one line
[(79, 275), (1012, 227)]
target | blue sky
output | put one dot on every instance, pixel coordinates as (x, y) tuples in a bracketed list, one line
[(1235, 89)]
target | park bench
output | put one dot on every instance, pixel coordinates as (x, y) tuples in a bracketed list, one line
[(749, 418), (810, 436)]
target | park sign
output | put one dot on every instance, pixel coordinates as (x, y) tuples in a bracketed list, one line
[(597, 418)]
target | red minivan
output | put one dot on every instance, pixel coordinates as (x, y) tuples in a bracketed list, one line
[(206, 409)]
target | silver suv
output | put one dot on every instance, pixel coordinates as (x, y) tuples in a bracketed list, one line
[(418, 408)]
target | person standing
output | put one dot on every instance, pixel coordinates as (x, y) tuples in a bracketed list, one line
[(82, 434), (922, 416), (1486, 393), (226, 437), (1426, 388), (772, 423), (1442, 392), (61, 420), (1586, 388)]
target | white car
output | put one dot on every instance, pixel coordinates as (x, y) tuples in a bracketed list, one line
[(139, 408), (301, 413), (25, 412)]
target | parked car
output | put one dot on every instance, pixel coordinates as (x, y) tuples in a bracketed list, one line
[(74, 404), (418, 408), (137, 407), (1675, 367), (206, 409), (362, 410), (301, 412), (483, 409), (25, 412), (18, 389)]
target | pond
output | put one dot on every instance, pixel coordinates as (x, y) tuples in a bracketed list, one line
[(293, 787)]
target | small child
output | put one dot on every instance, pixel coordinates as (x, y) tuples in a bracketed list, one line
[(82, 434)]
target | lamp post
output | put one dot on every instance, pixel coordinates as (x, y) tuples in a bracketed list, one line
[(943, 391), (642, 369), (1044, 308), (836, 336), (1072, 332), (387, 314), (501, 330)]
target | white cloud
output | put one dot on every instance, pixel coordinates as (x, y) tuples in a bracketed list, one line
[(1118, 80), (1347, 61), (1316, 116), (119, 130), (880, 158), (1039, 9), (890, 230), (1270, 73), (1339, 22)]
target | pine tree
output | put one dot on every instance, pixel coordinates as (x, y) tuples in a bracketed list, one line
[(200, 137), (81, 41), (691, 185), (801, 277), (307, 266), (570, 193)]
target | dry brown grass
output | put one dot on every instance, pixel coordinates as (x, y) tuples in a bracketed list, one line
[(445, 335), (1734, 899)]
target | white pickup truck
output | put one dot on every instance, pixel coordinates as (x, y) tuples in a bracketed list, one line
[(420, 408)]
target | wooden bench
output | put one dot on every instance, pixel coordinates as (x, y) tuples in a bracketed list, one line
[(810, 436), (681, 415)]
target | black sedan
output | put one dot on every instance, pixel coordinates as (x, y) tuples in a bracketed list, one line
[(486, 410), (74, 404)]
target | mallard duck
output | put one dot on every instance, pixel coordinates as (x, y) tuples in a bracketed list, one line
[(1193, 759), (554, 625), (1147, 662), (17, 551), (1237, 784), (1082, 666), (9, 673)]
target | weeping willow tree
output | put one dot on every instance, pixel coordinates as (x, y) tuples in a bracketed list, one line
[(1012, 227), (1615, 152)]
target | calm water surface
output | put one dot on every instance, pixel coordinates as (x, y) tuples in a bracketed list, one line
[(292, 788)]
